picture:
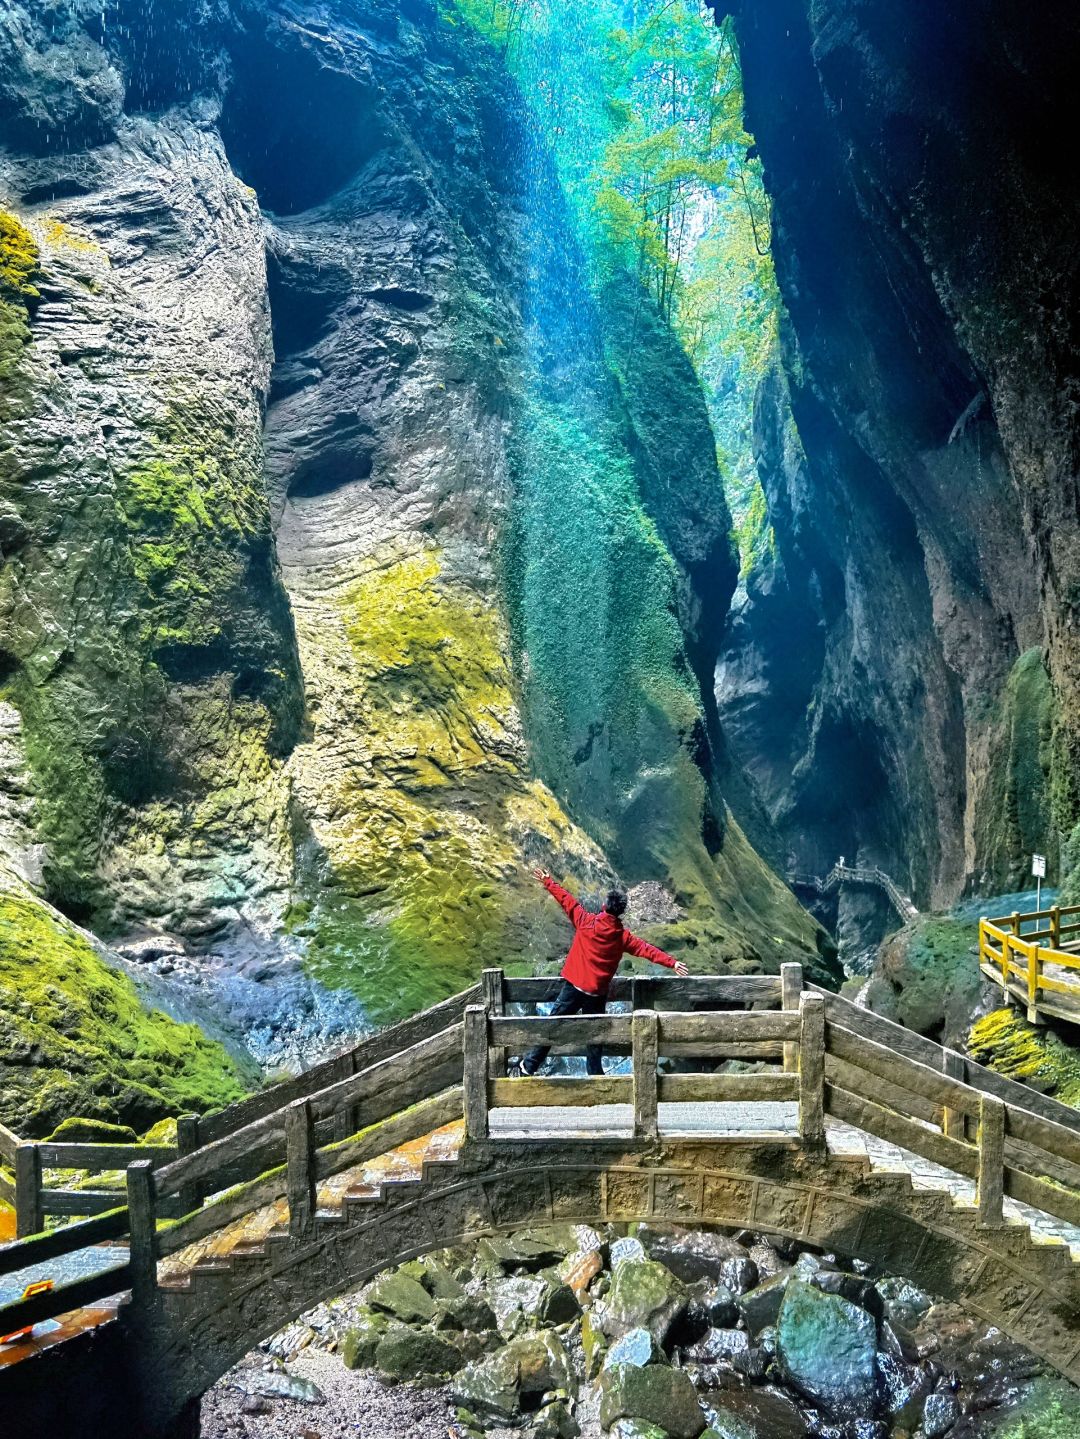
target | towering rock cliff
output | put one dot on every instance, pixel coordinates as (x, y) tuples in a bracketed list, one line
[(903, 669), (355, 556)]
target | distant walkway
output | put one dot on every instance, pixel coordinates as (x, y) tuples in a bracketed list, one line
[(842, 873)]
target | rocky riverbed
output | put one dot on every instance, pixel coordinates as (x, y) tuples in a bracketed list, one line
[(557, 1332)]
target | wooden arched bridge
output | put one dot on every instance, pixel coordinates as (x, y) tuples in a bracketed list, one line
[(415, 1140)]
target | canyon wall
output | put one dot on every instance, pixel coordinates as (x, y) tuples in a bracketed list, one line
[(356, 555), (902, 672)]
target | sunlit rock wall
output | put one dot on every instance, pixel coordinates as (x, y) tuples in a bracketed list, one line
[(336, 588)]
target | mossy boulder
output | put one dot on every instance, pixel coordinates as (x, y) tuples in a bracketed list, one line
[(1004, 1041), (502, 1386), (927, 977), (752, 1414), (93, 1131), (656, 1394), (402, 1296), (404, 1352), (1049, 1410), (362, 1339), (75, 1039), (643, 1295)]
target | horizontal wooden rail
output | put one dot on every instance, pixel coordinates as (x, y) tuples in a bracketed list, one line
[(9, 1142), (1019, 963), (40, 1248), (80, 1293), (101, 1157), (646, 992)]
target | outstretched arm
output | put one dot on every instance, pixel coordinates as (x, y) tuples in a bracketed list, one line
[(642, 949), (574, 908)]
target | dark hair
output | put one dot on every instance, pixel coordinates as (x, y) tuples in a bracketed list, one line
[(615, 903)]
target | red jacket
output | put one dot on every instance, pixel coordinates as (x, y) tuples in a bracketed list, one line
[(599, 945)]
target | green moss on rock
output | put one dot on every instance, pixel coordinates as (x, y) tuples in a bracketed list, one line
[(18, 260), (76, 1040), (928, 978), (1004, 1041), (1049, 1410)]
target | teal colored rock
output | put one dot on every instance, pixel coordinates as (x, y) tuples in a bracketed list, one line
[(529, 1365), (398, 1294), (656, 1394), (405, 1353), (643, 1294), (827, 1348), (638, 1346)]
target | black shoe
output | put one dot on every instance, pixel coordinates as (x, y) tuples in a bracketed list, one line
[(516, 1070)]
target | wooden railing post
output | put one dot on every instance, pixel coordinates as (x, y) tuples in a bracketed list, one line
[(1006, 950), (791, 988), (187, 1141), (991, 1183), (491, 986), (1055, 927), (29, 1211), (300, 1159), (812, 1070), (475, 1075), (952, 1120), (1034, 961), (142, 1229), (645, 1047)]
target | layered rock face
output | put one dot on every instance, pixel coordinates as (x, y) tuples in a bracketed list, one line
[(349, 566), (902, 673)]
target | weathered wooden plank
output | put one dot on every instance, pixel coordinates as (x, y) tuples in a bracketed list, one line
[(1059, 986), (42, 1247), (475, 1072), (98, 1157), (811, 1075), (908, 1133), (953, 1121), (142, 1227), (531, 1093), (1064, 961), (388, 1134), (1032, 1160), (1040, 1194), (877, 1059), (300, 1167), (9, 1142), (567, 1031), (724, 1024), (7, 1188), (29, 1214), (1043, 1134), (663, 993), (991, 1175), (724, 1088), (646, 1041), (68, 1297), (791, 987), (881, 1091), (222, 1211), (491, 986), (720, 1049), (370, 1051)]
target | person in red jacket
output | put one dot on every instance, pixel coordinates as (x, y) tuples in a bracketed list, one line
[(599, 944)]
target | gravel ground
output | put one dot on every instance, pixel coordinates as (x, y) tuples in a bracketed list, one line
[(357, 1406)]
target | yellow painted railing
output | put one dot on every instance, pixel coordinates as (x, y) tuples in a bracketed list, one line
[(1039, 968)]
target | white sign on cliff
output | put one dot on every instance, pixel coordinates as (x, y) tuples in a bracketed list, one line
[(1038, 866)]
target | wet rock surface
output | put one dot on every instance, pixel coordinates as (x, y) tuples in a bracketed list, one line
[(835, 1352)]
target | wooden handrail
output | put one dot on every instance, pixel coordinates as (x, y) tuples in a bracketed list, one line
[(1017, 962)]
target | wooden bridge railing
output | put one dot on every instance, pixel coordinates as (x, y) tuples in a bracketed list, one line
[(1018, 962), (828, 1056)]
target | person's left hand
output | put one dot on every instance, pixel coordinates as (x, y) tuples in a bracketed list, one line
[(681, 969), (541, 875)]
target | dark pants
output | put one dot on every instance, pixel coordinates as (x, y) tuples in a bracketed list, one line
[(570, 1001)]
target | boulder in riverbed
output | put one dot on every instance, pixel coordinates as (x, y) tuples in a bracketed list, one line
[(643, 1294), (827, 1349), (659, 1395), (528, 1366)]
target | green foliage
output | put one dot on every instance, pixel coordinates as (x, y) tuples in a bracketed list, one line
[(1015, 814), (1050, 1409), (75, 1039), (1005, 1041), (18, 260)]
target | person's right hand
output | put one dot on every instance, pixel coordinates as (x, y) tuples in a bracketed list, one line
[(541, 875), (681, 969)]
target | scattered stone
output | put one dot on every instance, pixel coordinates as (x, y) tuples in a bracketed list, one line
[(657, 1394), (940, 1413), (827, 1348), (904, 1303), (753, 1414), (559, 1305), (717, 1305), (739, 1273), (529, 1365), (276, 1384), (643, 1294), (435, 1277), (593, 1344), (402, 1296), (360, 1342), (692, 1255), (718, 1345), (636, 1429), (468, 1311), (625, 1249), (580, 1269), (760, 1306), (637, 1346)]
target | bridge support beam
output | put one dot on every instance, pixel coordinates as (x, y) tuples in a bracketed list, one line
[(142, 1226), (29, 1214), (475, 1073), (791, 988), (991, 1181)]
